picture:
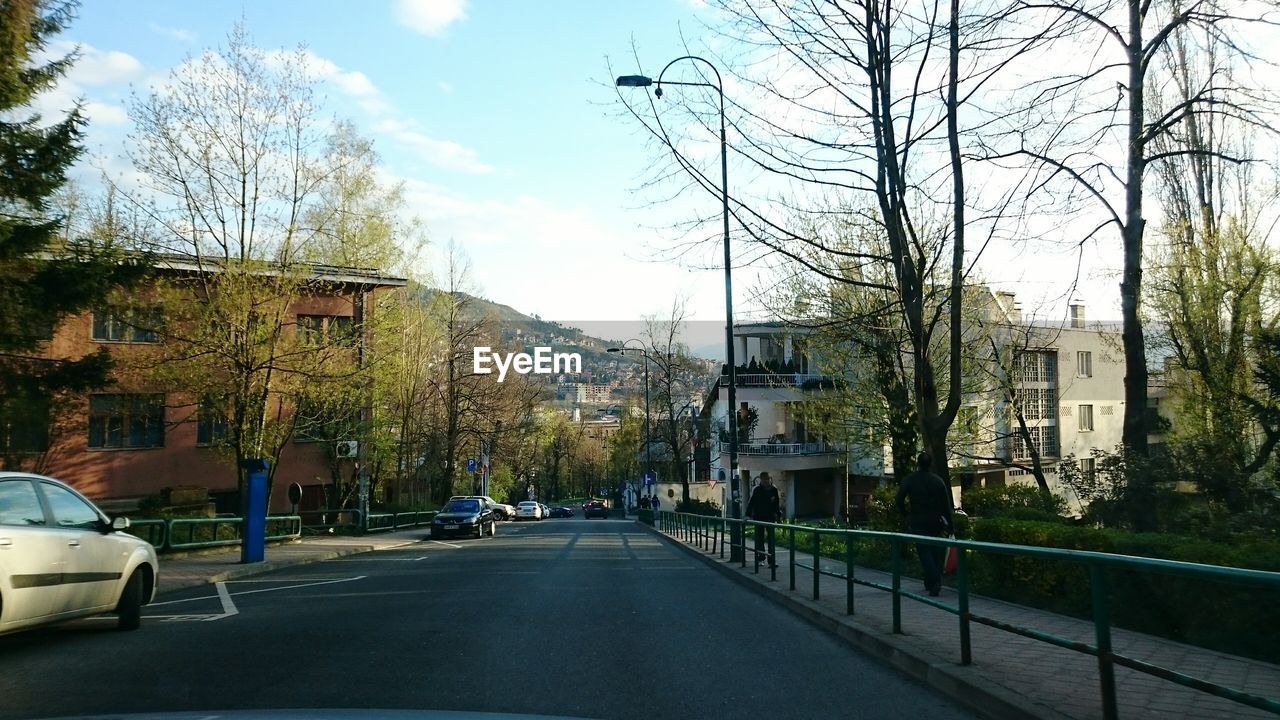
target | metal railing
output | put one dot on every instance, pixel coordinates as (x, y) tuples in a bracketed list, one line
[(195, 533), (776, 448), (155, 532), (708, 533), (778, 380), (379, 522)]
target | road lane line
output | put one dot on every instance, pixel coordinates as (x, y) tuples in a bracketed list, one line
[(228, 607), (250, 592), (439, 542)]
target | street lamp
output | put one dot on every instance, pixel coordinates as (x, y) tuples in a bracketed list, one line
[(735, 505), (648, 464)]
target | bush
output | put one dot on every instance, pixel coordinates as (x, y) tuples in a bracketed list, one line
[(1206, 613), (1023, 501), (699, 507)]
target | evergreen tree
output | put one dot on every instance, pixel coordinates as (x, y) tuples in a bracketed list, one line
[(43, 278)]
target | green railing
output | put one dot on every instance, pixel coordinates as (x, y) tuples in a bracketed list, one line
[(347, 519), (708, 534), (155, 532), (379, 522), (193, 533)]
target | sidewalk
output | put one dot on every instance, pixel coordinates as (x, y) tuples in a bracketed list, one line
[(1011, 676), (184, 571)]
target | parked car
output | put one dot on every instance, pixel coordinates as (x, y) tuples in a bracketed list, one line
[(503, 511), (595, 508), (465, 516), (546, 510), (61, 558), (561, 512), (529, 510)]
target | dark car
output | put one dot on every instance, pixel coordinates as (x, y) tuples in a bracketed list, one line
[(561, 512), (466, 516), (594, 508)]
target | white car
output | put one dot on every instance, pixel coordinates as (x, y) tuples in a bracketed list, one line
[(504, 511), (529, 510), (61, 558)]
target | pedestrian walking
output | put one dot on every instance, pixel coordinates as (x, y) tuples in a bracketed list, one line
[(925, 499), (765, 506)]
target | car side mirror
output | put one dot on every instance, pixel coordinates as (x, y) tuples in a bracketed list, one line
[(121, 523)]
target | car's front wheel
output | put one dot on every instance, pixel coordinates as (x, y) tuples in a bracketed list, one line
[(129, 608)]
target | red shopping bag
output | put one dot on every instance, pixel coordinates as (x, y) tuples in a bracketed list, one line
[(949, 567)]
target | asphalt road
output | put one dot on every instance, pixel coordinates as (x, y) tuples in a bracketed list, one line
[(596, 619)]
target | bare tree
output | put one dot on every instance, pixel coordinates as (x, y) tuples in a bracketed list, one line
[(674, 381), (1094, 136), (867, 104)]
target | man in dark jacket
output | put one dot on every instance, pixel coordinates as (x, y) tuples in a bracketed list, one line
[(765, 505), (929, 499)]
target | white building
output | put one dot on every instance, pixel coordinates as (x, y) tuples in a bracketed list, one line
[(1066, 379)]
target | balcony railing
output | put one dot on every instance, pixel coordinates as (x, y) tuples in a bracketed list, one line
[(804, 381), (762, 447)]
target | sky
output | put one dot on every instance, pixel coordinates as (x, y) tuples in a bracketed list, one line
[(499, 117)]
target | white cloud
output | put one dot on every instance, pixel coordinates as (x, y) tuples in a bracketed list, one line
[(430, 17), (445, 87), (96, 67), (104, 114), (186, 37), (444, 154)]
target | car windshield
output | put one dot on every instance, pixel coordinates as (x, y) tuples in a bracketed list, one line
[(463, 506), (377, 268)]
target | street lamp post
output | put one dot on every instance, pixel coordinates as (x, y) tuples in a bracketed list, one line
[(648, 464), (735, 504)]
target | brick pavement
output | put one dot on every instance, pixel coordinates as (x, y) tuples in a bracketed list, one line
[(1011, 676)]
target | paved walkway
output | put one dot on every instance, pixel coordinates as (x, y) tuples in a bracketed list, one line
[(177, 572), (1011, 676)]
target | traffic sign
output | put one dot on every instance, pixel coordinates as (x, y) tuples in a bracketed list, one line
[(471, 465), (650, 478)]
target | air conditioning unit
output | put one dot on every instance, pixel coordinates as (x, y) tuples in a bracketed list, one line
[(347, 448)]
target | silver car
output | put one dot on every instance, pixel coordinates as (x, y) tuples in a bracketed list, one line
[(61, 558)]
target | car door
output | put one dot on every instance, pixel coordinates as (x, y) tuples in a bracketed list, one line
[(95, 559), (32, 557)]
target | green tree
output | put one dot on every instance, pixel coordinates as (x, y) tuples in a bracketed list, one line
[(44, 277)]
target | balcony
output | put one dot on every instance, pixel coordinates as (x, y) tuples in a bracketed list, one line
[(804, 381), (765, 447)]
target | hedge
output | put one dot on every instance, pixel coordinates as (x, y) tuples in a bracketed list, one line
[(1217, 615)]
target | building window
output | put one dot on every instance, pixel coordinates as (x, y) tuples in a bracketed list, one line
[(211, 424), (1088, 468), (1084, 364), (126, 421), (1035, 366), (125, 326), (1037, 404), (318, 330), (1085, 414), (1043, 437)]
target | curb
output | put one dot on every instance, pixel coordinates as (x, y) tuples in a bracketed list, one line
[(985, 699)]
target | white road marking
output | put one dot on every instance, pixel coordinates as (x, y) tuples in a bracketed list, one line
[(228, 607), (280, 580), (374, 559), (262, 590), (439, 542)]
